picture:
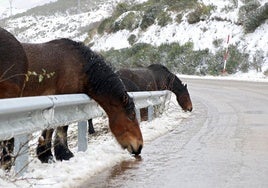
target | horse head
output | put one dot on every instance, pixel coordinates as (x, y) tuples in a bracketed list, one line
[(167, 80), (110, 92), (125, 126), (184, 99)]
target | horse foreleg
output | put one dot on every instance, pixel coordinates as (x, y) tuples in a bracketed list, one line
[(90, 127), (144, 114), (61, 149), (43, 150), (6, 151)]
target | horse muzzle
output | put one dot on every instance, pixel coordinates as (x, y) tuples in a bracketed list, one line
[(135, 151), (188, 109)]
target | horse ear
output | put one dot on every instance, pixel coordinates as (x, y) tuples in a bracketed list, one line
[(185, 85)]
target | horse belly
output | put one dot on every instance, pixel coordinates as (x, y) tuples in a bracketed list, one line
[(33, 87), (9, 90)]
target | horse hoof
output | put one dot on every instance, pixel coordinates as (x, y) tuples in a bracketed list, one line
[(51, 160), (62, 153), (44, 153), (6, 162)]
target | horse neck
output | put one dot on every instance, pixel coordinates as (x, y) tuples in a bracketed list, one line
[(175, 85), (110, 105)]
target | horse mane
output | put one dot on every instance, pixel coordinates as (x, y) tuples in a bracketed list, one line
[(130, 86), (171, 78), (101, 77), (158, 67)]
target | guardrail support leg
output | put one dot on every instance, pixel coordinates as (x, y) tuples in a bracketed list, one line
[(150, 113), (21, 150), (82, 135), (138, 115)]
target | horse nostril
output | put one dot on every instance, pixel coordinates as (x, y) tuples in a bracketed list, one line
[(140, 148), (138, 151)]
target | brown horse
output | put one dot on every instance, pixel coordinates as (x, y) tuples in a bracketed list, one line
[(13, 70), (158, 77), (64, 67), (152, 78)]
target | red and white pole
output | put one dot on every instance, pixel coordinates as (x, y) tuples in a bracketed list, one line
[(226, 55)]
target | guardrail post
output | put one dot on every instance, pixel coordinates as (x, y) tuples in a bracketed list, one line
[(150, 113), (21, 151), (138, 114), (82, 135)]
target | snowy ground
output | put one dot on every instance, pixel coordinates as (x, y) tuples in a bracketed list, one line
[(103, 151)]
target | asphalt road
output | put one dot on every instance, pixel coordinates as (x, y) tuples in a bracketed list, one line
[(224, 143)]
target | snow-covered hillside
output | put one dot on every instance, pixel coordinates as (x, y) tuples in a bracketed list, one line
[(41, 28), (219, 25), (202, 34), (18, 6)]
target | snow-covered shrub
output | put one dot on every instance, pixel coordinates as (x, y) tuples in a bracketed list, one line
[(120, 9), (178, 18), (266, 73), (245, 10), (129, 21), (113, 24), (150, 16), (178, 6), (258, 60), (180, 58), (236, 60), (132, 39), (201, 12), (105, 25), (256, 18), (163, 19), (217, 42)]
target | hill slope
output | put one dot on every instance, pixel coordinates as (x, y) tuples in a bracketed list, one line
[(187, 35), (205, 26)]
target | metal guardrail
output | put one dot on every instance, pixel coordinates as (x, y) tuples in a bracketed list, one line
[(20, 117)]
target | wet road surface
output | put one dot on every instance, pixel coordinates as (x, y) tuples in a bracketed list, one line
[(224, 143)]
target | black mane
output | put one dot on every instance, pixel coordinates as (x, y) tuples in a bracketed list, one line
[(172, 80), (101, 77)]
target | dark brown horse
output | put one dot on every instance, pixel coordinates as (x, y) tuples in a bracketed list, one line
[(63, 67), (158, 77), (152, 78), (13, 70)]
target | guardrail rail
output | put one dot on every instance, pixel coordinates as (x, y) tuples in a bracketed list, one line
[(20, 117)]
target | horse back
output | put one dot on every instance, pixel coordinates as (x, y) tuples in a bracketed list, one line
[(13, 65), (130, 85), (54, 68), (143, 78)]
